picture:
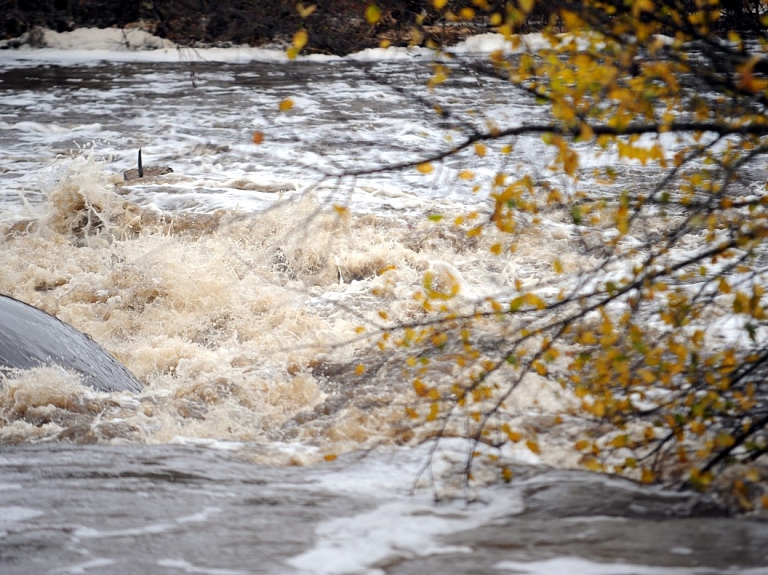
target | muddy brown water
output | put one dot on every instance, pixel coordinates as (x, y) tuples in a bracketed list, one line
[(123, 506)]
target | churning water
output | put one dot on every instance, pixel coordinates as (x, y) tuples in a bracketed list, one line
[(235, 291)]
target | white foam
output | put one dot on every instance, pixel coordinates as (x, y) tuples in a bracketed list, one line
[(80, 568), (208, 442), (88, 45), (562, 565), (187, 567), (485, 43), (14, 514), (355, 544), (402, 525)]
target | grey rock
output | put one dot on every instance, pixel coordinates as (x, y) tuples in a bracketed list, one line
[(30, 337)]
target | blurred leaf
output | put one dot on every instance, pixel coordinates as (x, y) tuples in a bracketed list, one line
[(305, 11), (372, 14), (300, 39)]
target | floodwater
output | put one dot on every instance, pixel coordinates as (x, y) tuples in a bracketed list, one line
[(270, 436), (170, 509)]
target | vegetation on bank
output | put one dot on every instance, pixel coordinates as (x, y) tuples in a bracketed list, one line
[(333, 26)]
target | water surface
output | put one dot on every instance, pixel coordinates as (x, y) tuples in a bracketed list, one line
[(234, 291)]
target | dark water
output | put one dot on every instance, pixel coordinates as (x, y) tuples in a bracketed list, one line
[(134, 508), (172, 509)]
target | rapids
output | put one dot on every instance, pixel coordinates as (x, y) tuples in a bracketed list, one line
[(244, 290)]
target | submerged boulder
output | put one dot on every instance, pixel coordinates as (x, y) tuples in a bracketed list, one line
[(30, 337), (143, 172), (130, 175)]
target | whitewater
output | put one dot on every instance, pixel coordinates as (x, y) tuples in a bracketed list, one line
[(271, 435)]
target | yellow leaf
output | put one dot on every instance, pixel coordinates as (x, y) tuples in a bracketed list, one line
[(533, 446), (593, 464), (526, 5), (480, 149), (587, 338), (300, 39), (360, 369), (599, 408), (383, 314), (439, 339), (439, 4), (697, 427), (258, 137), (620, 441), (724, 440), (425, 168), (648, 476), (639, 6), (586, 133), (330, 456), (467, 13), (557, 264), (305, 11), (420, 387), (372, 14), (514, 436), (581, 444), (496, 249), (466, 174), (534, 300), (286, 105), (749, 82)]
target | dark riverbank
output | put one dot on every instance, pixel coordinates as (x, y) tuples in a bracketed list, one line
[(333, 26)]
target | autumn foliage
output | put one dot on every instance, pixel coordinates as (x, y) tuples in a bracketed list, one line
[(658, 336)]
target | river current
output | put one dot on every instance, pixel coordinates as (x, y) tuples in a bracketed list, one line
[(269, 437)]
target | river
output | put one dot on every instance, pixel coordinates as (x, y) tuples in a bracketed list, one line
[(269, 438)]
